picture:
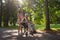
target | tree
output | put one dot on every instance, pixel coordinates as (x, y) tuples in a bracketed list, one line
[(0, 12), (9, 13), (47, 16)]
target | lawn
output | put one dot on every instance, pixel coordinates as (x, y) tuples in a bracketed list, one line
[(40, 27), (52, 26)]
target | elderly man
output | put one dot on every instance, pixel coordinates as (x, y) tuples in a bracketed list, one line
[(25, 24)]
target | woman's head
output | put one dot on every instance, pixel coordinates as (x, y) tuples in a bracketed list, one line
[(20, 10)]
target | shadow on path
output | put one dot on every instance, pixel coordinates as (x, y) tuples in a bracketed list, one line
[(11, 34)]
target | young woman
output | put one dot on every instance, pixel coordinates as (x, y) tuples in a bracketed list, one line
[(19, 18)]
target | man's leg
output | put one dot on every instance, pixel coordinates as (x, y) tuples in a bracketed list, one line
[(26, 29)]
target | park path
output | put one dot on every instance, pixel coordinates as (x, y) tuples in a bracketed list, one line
[(8, 34), (11, 34)]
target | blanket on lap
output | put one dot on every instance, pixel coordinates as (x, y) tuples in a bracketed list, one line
[(31, 28)]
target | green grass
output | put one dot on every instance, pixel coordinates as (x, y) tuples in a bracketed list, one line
[(55, 26), (52, 26), (10, 27), (40, 27)]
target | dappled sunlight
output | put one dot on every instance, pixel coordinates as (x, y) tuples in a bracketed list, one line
[(20, 1), (38, 35), (11, 30), (3, 1), (56, 29), (10, 33), (30, 20), (5, 36)]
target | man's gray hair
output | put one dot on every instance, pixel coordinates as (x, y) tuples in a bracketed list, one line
[(26, 14)]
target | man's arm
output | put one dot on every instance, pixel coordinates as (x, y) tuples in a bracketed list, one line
[(26, 20)]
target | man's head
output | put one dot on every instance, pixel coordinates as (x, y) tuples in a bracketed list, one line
[(26, 14)]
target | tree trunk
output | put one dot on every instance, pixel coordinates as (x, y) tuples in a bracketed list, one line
[(6, 20), (47, 16), (0, 12)]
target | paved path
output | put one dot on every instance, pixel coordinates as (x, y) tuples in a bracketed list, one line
[(11, 34), (8, 34)]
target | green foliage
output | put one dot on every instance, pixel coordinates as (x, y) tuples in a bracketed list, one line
[(54, 11), (35, 9), (9, 11)]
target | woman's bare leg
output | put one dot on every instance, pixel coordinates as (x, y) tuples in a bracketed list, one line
[(20, 29)]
